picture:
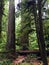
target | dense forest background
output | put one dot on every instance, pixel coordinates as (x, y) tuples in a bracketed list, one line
[(25, 29)]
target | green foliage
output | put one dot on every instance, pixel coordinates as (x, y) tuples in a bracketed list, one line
[(6, 62), (4, 27), (27, 22), (24, 22)]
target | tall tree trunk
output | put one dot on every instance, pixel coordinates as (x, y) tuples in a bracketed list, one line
[(40, 35), (11, 28), (39, 31), (1, 13)]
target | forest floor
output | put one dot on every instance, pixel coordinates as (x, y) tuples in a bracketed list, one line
[(32, 61), (21, 60), (9, 62)]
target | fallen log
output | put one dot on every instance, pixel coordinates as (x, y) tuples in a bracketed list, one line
[(26, 52)]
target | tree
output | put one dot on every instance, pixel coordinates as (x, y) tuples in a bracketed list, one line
[(39, 31), (11, 28)]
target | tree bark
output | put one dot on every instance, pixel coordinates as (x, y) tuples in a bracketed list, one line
[(11, 28), (39, 31)]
